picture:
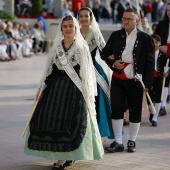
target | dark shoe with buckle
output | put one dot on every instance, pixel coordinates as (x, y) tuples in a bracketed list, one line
[(59, 167), (150, 117), (69, 163), (114, 147), (131, 146), (168, 98), (154, 123), (162, 111), (125, 122)]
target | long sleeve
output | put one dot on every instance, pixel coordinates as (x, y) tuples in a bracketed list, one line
[(150, 63), (107, 51)]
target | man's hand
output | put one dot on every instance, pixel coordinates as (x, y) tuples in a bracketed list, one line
[(165, 75), (119, 64), (145, 90)]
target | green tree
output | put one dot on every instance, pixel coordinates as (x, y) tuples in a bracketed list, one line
[(7, 16), (37, 7)]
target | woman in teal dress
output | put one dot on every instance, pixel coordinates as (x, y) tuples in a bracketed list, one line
[(92, 35), (64, 126)]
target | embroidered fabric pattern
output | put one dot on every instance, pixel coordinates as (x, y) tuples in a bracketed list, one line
[(73, 56), (90, 39), (71, 128), (83, 57)]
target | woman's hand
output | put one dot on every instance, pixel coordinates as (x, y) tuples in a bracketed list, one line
[(39, 95), (112, 57), (119, 64), (145, 90)]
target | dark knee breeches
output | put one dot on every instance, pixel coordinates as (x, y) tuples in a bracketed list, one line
[(130, 92)]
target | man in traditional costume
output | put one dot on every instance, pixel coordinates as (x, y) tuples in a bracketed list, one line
[(133, 53)]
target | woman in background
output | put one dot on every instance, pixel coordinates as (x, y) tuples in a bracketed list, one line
[(92, 35)]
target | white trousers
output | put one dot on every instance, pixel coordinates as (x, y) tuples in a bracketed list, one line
[(3, 53)]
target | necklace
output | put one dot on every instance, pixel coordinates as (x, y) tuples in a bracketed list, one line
[(64, 47)]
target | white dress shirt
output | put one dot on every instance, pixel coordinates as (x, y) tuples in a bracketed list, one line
[(156, 58), (127, 55)]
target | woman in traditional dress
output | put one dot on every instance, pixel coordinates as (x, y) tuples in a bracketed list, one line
[(92, 35), (64, 125)]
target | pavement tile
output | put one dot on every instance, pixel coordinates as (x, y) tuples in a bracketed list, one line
[(18, 85)]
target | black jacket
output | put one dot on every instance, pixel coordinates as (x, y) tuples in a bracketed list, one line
[(143, 53), (161, 62), (162, 30)]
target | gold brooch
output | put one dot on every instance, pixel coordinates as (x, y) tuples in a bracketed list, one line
[(60, 53)]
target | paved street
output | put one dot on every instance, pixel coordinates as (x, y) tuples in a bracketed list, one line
[(18, 84)]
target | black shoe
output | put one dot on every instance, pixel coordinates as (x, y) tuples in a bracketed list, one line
[(124, 122), (150, 117), (154, 123), (60, 167), (131, 146), (114, 147), (69, 163), (167, 98), (162, 111)]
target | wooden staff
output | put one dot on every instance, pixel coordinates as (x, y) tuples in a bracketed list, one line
[(138, 77), (163, 84), (33, 109)]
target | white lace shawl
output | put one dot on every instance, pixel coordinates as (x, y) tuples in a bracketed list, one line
[(73, 56), (94, 38), (90, 39), (96, 32), (82, 57)]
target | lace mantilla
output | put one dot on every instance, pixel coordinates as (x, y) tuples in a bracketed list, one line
[(90, 39), (94, 41), (78, 54), (72, 55)]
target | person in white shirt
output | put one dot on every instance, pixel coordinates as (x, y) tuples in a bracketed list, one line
[(65, 10), (3, 43), (38, 40), (156, 90), (17, 48), (145, 26)]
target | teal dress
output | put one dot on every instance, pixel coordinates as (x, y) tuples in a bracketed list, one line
[(103, 105), (104, 108)]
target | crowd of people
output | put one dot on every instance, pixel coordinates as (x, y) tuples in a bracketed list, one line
[(153, 10), (18, 40), (88, 83)]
